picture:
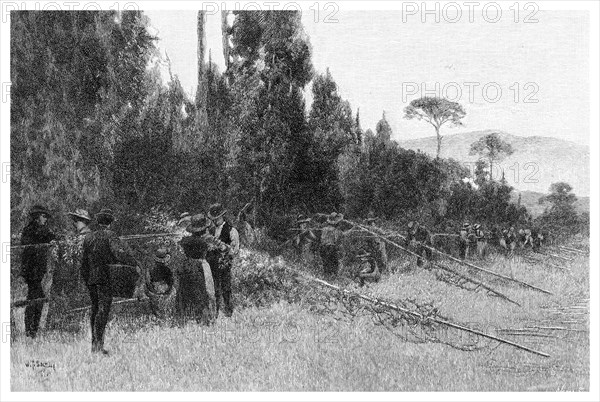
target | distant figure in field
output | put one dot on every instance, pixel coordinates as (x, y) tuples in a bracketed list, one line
[(331, 238), (376, 246), (371, 272), (101, 249), (421, 241), (525, 238), (480, 240), (464, 241), (34, 261), (305, 238), (509, 241), (537, 237)]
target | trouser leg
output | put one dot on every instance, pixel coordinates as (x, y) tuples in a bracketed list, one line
[(33, 312), (214, 269), (93, 313), (226, 287), (104, 304)]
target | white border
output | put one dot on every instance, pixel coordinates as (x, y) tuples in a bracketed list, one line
[(593, 395)]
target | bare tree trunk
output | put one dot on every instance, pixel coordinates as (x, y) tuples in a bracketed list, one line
[(202, 91), (439, 141)]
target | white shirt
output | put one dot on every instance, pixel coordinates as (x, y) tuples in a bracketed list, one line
[(234, 247)]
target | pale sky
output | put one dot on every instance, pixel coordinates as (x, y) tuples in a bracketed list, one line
[(379, 62)]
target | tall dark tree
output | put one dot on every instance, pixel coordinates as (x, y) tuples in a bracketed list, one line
[(383, 130), (271, 65), (78, 80)]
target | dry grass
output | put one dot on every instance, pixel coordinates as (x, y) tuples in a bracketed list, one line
[(286, 348)]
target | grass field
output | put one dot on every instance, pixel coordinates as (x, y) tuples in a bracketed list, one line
[(285, 347)]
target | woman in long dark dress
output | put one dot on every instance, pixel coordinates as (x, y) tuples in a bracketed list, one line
[(196, 293)]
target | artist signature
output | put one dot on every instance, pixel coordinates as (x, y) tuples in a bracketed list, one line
[(39, 364)]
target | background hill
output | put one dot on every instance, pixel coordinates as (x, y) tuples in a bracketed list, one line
[(529, 199), (536, 163)]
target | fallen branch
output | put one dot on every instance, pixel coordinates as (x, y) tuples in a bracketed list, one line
[(573, 250), (417, 315), (443, 267), (524, 284)]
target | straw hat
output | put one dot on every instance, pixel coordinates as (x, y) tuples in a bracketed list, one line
[(80, 215), (216, 211), (334, 218)]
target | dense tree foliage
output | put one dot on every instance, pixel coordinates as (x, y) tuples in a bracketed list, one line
[(93, 123)]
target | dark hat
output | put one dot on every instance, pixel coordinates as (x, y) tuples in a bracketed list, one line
[(334, 218), (80, 215), (198, 223), (216, 211), (105, 216), (39, 210), (303, 219), (162, 255), (466, 225)]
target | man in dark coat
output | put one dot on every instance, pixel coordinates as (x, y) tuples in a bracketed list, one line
[(101, 249), (331, 240), (36, 238), (221, 259), (422, 239)]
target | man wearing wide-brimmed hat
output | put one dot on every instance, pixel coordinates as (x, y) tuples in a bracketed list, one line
[(480, 240), (101, 249), (221, 259), (420, 238), (376, 245), (36, 238), (331, 237), (464, 240), (81, 220), (196, 295)]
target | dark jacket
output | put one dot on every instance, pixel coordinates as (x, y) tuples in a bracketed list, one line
[(194, 246), (100, 249), (34, 259), (421, 235)]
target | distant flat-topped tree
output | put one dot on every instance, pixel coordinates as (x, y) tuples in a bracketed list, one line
[(437, 112)]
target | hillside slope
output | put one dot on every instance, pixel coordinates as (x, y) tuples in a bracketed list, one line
[(536, 164)]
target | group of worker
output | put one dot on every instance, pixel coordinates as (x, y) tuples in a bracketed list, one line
[(210, 250), (472, 240)]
